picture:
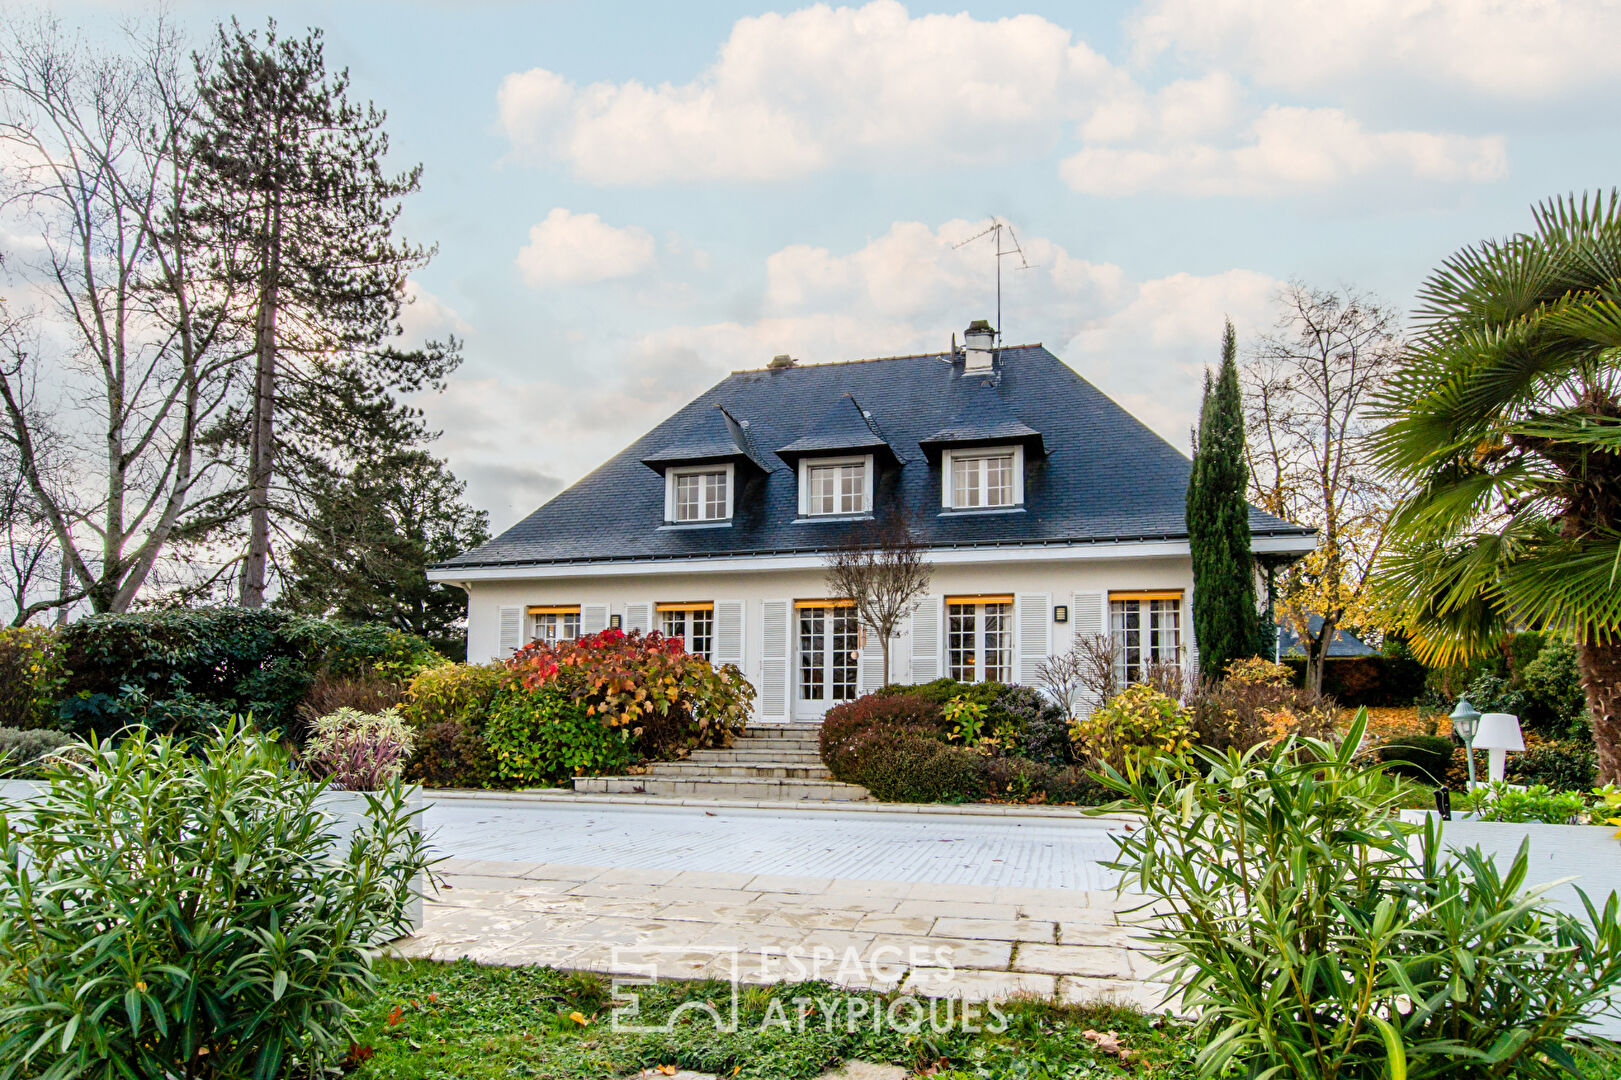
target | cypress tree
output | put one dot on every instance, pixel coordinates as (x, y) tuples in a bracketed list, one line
[(1225, 620)]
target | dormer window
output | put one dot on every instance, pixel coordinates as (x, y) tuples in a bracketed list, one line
[(986, 478), (835, 486), (698, 494)]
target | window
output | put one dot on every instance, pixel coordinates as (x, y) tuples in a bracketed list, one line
[(979, 638), (829, 653), (1147, 630), (694, 495), (692, 624), (835, 486), (555, 622), (983, 479)]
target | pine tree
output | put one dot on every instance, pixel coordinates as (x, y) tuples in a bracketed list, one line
[(1225, 620), (300, 214), (365, 554)]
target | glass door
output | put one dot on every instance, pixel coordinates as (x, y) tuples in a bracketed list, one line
[(828, 660)]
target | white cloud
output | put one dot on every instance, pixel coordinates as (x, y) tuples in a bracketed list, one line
[(1289, 150), (1506, 49), (572, 249), (790, 93), (426, 317)]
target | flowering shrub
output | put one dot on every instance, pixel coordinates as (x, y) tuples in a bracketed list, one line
[(358, 751), (1133, 727), (543, 735), (31, 676), (647, 684), (459, 692)]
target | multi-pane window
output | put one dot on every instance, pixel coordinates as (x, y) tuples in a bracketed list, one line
[(700, 496), (836, 488), (1147, 631), (983, 480), (693, 625), (554, 624), (979, 641), (829, 653)]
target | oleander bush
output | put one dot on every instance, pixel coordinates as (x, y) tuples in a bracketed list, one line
[(1314, 935), (31, 677), (356, 751), (664, 699), (185, 909), (27, 753), (544, 736)]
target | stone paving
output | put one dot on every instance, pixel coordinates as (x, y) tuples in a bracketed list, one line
[(976, 942)]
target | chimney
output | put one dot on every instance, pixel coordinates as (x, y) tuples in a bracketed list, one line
[(980, 352), (782, 360)]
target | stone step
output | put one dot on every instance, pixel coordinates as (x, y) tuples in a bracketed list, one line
[(688, 770), (773, 743), (746, 756), (772, 790)]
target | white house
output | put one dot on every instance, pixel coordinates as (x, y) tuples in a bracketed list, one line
[(1048, 511)]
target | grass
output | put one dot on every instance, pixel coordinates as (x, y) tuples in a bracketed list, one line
[(462, 1020)]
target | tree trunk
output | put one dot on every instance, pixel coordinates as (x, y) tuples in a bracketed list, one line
[(262, 438), (1317, 657), (1600, 664)]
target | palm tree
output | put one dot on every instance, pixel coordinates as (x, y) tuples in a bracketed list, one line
[(1504, 422)]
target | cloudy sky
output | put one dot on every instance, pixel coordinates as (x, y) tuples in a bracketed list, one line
[(632, 199)]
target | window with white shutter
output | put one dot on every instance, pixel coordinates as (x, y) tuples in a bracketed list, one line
[(510, 631), (1035, 634), (774, 659), (926, 640), (729, 632)]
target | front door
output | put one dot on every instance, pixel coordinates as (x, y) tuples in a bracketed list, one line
[(829, 659)]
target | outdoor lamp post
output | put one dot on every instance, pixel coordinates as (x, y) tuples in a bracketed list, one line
[(1465, 719), (1499, 732)]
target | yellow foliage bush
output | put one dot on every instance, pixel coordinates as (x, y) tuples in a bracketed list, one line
[(1135, 725)]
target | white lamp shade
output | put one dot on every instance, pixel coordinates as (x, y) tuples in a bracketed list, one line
[(1499, 731)]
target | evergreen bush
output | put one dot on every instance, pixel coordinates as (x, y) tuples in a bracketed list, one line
[(544, 736)]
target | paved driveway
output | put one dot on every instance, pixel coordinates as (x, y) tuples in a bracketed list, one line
[(963, 849)]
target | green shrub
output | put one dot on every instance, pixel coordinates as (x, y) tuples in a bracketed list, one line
[(1131, 728), (1313, 936), (1504, 802), (1023, 780), (1425, 758), (451, 754), (540, 736), (175, 913), (26, 754), (31, 677), (454, 692), (356, 751), (1254, 704), (1570, 765), (1040, 725), (846, 723), (903, 766), (183, 671), (1554, 701)]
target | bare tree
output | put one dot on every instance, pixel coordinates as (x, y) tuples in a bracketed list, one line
[(883, 574), (1083, 674), (1308, 388), (104, 416)]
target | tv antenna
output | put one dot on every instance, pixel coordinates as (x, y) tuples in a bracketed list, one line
[(995, 230)]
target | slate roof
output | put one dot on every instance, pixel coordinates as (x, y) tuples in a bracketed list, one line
[(1104, 475), (711, 435), (981, 414), (845, 428), (1345, 643)]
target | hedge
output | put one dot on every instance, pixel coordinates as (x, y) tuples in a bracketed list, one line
[(1374, 681)]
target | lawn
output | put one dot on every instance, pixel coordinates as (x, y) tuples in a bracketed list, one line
[(461, 1020)]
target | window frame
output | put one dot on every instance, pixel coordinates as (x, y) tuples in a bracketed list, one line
[(562, 614), (688, 612), (1148, 653), (672, 475), (867, 484), (948, 470), (979, 614)]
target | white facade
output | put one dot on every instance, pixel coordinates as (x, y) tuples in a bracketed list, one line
[(754, 601)]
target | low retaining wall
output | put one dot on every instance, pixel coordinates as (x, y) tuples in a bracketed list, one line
[(345, 811)]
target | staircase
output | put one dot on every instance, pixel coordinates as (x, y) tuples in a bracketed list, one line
[(768, 762)]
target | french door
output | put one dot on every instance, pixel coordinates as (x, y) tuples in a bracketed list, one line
[(828, 659)]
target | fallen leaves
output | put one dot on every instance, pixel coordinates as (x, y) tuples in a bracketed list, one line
[(395, 1015), (579, 1018), (1107, 1042)]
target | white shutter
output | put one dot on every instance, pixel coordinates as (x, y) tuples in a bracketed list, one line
[(729, 632), (1088, 618), (510, 636), (926, 640), (774, 659), (593, 618), (1035, 632), (638, 617), (871, 672)]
